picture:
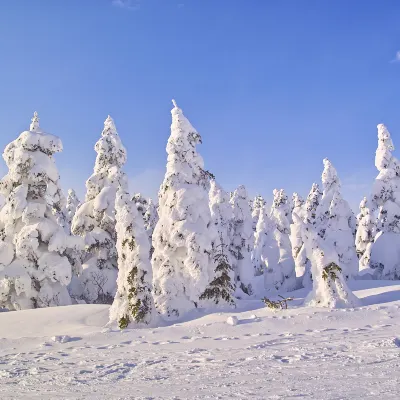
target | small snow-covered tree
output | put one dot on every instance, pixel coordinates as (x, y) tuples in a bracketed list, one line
[(95, 219), (337, 222), (329, 285), (257, 205), (34, 268), (133, 304), (365, 237), (71, 207), (141, 203), (385, 253), (242, 243), (280, 216), (265, 256), (312, 203), (182, 261), (221, 287)]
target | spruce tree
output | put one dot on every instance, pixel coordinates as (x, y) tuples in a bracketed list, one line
[(221, 287), (329, 285), (385, 257), (95, 219), (280, 216), (133, 303), (34, 268), (337, 223), (365, 237), (182, 258), (71, 207), (257, 205), (265, 256), (242, 243)]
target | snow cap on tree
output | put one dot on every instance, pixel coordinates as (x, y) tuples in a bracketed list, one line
[(182, 263), (133, 304)]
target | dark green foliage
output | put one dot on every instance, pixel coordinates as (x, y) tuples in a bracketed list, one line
[(330, 271)]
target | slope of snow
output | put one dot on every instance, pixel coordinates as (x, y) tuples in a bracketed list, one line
[(67, 353)]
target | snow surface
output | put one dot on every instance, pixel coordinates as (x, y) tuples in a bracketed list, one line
[(66, 353)]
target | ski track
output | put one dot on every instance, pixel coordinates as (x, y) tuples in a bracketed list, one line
[(291, 354)]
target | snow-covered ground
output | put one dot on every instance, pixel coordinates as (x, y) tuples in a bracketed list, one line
[(66, 353)]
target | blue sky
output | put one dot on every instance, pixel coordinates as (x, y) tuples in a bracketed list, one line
[(272, 86)]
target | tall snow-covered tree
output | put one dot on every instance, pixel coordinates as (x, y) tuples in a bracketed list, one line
[(265, 256), (221, 288), (182, 258), (329, 285), (337, 222), (280, 216), (95, 219), (71, 207), (312, 204), (34, 270), (257, 205), (133, 304), (242, 243), (385, 253), (365, 237)]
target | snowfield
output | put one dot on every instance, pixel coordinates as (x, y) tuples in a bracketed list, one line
[(313, 353)]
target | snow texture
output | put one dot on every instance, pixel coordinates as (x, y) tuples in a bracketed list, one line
[(182, 262)]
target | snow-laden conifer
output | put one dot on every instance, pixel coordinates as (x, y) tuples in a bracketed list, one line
[(280, 216), (312, 204), (71, 207), (242, 243), (366, 231), (385, 256), (221, 287), (257, 204), (337, 223), (34, 269), (133, 303), (95, 218), (329, 285), (265, 256), (141, 203), (182, 260)]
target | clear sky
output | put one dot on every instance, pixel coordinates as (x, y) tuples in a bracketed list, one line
[(272, 86)]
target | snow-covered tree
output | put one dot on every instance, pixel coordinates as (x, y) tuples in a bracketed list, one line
[(149, 213), (221, 287), (265, 256), (242, 243), (312, 204), (71, 207), (329, 285), (182, 258), (385, 253), (257, 204), (95, 219), (280, 216), (365, 237), (34, 269), (337, 222), (133, 304)]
